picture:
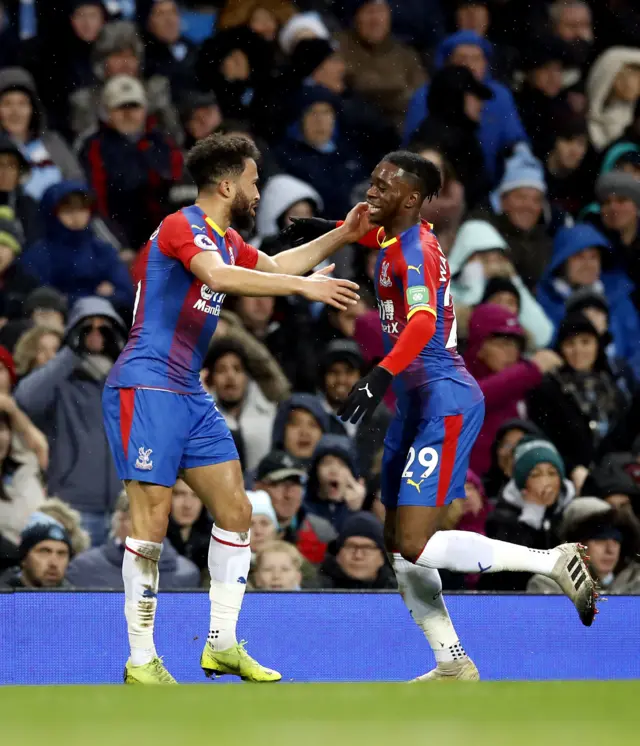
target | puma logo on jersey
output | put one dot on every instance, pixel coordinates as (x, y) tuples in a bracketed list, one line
[(365, 388), (415, 484), (199, 227), (413, 266)]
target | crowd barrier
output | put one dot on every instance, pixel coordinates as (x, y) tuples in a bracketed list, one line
[(80, 637)]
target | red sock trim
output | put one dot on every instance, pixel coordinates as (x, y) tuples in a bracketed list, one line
[(228, 543), (133, 551)]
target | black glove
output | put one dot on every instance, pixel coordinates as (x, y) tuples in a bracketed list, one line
[(365, 396), (303, 230)]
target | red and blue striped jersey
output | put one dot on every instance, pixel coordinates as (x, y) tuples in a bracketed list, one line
[(175, 315), (412, 274)]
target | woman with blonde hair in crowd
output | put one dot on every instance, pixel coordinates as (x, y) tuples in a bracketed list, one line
[(35, 348)]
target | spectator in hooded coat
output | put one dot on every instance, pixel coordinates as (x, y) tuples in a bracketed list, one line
[(582, 258), (494, 357), (612, 539), (500, 125), (508, 435), (479, 253), (130, 168), (22, 118), (456, 100), (300, 423), (314, 152), (70, 257), (530, 508), (613, 88), (577, 404)]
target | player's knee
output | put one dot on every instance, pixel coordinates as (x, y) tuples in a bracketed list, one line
[(236, 516), (411, 546)]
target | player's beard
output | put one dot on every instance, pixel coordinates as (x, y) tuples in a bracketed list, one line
[(241, 216)]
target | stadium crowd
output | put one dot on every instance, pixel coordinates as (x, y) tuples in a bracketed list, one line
[(532, 112)]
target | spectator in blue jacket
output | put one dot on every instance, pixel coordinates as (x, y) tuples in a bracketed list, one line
[(582, 258), (70, 257), (313, 152), (500, 124)]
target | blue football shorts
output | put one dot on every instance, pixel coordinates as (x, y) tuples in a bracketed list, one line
[(153, 434)]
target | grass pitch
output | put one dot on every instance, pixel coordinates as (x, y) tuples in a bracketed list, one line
[(485, 714)]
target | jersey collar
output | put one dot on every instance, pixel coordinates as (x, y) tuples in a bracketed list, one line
[(214, 225), (383, 243)]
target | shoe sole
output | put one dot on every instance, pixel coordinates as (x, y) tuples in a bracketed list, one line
[(585, 600)]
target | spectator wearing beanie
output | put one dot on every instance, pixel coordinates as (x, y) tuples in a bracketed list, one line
[(70, 257), (500, 126), (577, 404), (247, 411), (264, 522), (45, 551), (333, 493), (531, 506), (582, 258), (494, 357), (479, 257), (517, 213), (619, 197), (47, 306), (200, 116), (302, 26), (15, 281), (14, 171), (612, 539), (379, 67), (358, 561), (49, 157), (613, 480)]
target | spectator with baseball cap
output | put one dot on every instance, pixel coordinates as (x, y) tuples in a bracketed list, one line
[(283, 477), (130, 168), (341, 366), (45, 551)]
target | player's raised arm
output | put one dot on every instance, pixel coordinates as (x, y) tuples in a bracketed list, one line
[(301, 259), (209, 268)]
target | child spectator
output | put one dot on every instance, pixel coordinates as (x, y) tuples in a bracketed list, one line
[(278, 567), (531, 506), (70, 257), (264, 522)]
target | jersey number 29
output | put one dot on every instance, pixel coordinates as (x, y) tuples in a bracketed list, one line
[(427, 457)]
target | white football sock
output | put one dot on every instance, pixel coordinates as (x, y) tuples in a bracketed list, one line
[(140, 575), (464, 551), (229, 561), (421, 590)]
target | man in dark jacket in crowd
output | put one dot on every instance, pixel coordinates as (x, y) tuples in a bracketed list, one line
[(45, 551), (167, 53), (282, 477), (101, 567), (64, 398), (129, 168), (341, 366), (359, 560)]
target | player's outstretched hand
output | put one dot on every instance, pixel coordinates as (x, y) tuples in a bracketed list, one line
[(334, 292), (365, 396), (303, 230), (357, 223)]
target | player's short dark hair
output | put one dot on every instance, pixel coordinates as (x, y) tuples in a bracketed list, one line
[(425, 173), (218, 157)]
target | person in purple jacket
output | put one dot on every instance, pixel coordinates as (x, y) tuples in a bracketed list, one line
[(494, 357)]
